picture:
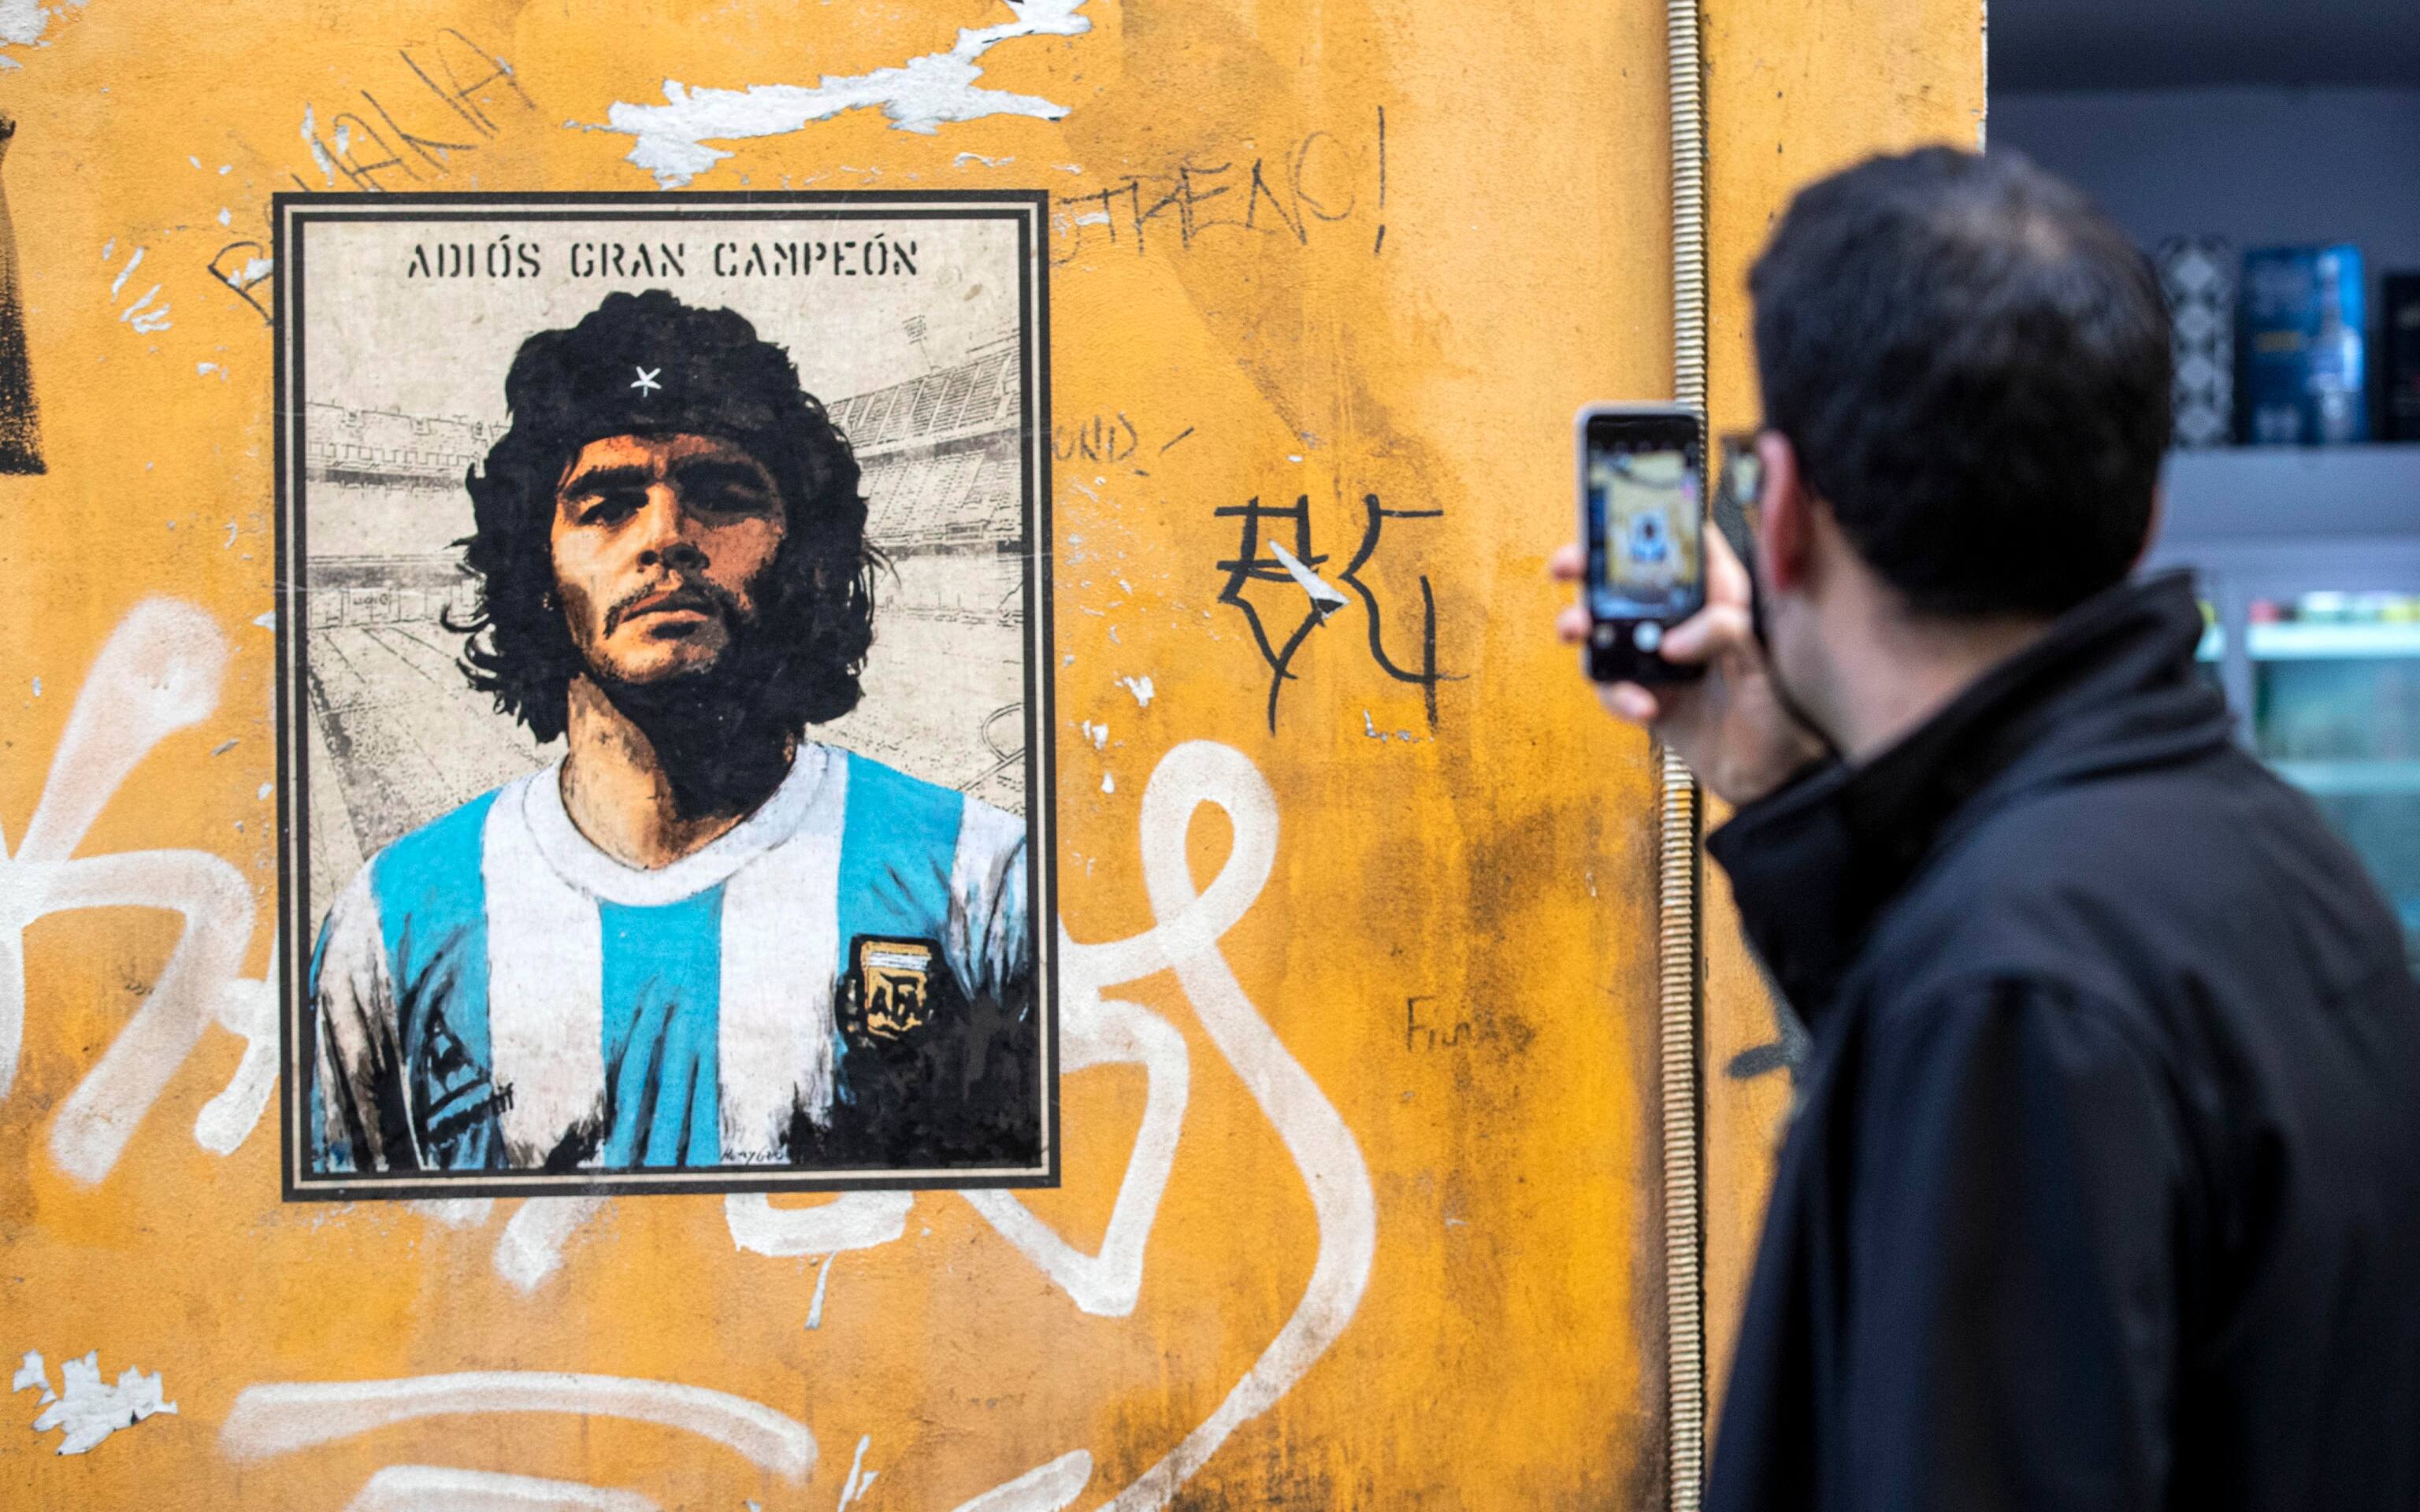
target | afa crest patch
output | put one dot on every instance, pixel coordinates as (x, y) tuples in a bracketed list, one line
[(893, 984)]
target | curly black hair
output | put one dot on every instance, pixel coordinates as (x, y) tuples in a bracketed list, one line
[(698, 372)]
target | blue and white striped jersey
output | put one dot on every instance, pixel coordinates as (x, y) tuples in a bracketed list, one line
[(842, 979)]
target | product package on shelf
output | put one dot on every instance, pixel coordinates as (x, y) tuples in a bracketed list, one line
[(2400, 359), (2197, 276), (2299, 347)]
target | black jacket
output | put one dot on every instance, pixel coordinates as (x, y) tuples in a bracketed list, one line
[(2103, 1189)]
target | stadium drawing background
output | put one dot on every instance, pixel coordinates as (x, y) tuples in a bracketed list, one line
[(928, 353)]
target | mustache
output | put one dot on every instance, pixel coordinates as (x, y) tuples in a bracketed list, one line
[(682, 594)]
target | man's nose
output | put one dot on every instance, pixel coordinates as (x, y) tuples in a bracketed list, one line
[(668, 532)]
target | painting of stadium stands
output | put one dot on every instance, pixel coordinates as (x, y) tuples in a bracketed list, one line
[(664, 665)]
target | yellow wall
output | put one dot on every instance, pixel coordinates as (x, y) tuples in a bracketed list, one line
[(1792, 92), (1457, 1304)]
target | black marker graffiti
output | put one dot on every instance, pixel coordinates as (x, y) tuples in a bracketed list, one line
[(352, 152), (1318, 179), (1098, 439), (21, 437), (1299, 565), (353, 145)]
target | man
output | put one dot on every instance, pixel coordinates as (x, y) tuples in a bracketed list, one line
[(2104, 1187), (699, 939)]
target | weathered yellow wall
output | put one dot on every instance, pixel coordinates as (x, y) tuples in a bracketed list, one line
[(1490, 878), (1793, 93)]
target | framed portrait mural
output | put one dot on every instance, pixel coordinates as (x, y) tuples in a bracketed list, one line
[(663, 696)]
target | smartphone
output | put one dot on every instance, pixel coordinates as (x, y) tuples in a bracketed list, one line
[(1643, 487)]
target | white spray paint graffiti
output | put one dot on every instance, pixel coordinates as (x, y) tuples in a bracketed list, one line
[(283, 1416), (159, 673), (1185, 937), (531, 1246), (861, 1479), (435, 1488), (853, 1220), (918, 96), (84, 1411), (1046, 1490), (1094, 1030)]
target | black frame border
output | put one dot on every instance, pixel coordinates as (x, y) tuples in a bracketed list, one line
[(291, 213)]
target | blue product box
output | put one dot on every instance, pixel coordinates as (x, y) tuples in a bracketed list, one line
[(2299, 347)]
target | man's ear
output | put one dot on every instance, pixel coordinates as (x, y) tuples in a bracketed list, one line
[(2151, 531), (1784, 533)]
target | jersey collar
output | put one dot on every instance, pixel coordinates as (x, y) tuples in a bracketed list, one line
[(539, 798)]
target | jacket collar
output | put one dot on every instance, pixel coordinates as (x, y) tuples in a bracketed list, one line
[(2111, 685)]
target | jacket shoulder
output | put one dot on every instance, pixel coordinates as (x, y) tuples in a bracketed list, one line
[(2125, 884)]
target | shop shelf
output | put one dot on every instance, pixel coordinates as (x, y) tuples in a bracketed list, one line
[(2301, 492)]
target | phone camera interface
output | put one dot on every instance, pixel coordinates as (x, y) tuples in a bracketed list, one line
[(1644, 563)]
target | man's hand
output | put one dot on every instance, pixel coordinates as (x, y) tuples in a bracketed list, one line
[(1728, 725)]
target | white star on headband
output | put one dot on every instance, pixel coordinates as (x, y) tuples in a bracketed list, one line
[(646, 383)]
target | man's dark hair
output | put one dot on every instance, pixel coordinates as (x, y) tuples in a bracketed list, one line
[(1972, 362), (646, 364)]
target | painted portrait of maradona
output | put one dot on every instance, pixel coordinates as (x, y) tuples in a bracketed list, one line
[(699, 941)]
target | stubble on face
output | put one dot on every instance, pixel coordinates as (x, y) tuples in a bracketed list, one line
[(660, 547)]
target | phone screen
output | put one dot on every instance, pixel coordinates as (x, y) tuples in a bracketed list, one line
[(1645, 479)]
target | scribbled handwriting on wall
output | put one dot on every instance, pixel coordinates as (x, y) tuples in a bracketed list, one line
[(1299, 567), (1320, 179), (452, 95)]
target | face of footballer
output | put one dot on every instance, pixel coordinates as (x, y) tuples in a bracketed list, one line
[(661, 545)]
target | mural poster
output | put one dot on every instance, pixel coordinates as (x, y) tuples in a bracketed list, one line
[(663, 695)]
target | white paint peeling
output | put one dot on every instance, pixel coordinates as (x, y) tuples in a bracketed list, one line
[(1324, 597), (226, 217), (318, 153), (31, 1372), (1140, 686), (1109, 782), (823, 1279), (124, 273), (1097, 734), (22, 21), (860, 1478), (918, 96), (85, 1411), (438, 1489), (1044, 1490), (281, 1417), (965, 157)]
